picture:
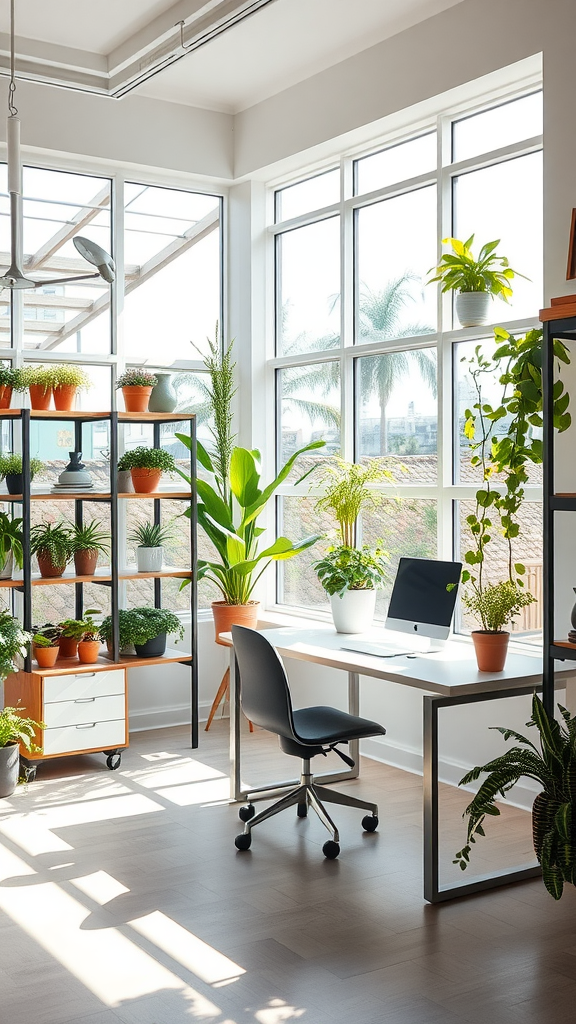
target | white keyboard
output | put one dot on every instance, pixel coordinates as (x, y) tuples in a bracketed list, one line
[(379, 650)]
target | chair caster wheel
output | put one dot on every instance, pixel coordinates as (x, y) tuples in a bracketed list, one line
[(243, 841), (302, 810), (370, 823), (245, 813), (113, 761), (331, 849)]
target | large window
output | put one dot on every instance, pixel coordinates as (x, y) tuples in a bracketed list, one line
[(371, 358)]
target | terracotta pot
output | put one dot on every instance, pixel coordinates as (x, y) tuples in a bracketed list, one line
[(88, 651), (228, 615), (46, 656), (136, 398), (47, 567), (5, 396), (68, 647), (64, 397), (85, 562), (491, 649), (145, 480), (40, 396)]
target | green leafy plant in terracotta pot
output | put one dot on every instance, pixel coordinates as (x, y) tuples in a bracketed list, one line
[(46, 647), (10, 381), (14, 643), (67, 380), (72, 632), (146, 466), (90, 640), (136, 385), (38, 380), (15, 731), (475, 280), (52, 545), (88, 541), (11, 471)]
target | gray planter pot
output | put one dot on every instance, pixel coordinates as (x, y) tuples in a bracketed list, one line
[(9, 769), (473, 308), (6, 569), (149, 559)]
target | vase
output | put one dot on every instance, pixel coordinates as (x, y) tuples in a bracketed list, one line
[(153, 648), (75, 473), (64, 397), (228, 615), (6, 569), (149, 559), (9, 768), (472, 308), (491, 649), (136, 398), (353, 611), (163, 397), (5, 396), (125, 485)]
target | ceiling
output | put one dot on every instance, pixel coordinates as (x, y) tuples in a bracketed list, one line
[(242, 51)]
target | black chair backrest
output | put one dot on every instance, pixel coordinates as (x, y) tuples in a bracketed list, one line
[(264, 692)]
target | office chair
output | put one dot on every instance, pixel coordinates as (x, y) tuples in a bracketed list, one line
[(265, 699)]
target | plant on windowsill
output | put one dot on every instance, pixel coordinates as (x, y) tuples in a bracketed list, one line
[(67, 380), (88, 541), (150, 538), (72, 632), (350, 575), (474, 280), (11, 550), (144, 628), (11, 471), (38, 380), (146, 466), (52, 545), (15, 730), (230, 504), (46, 646), (136, 385)]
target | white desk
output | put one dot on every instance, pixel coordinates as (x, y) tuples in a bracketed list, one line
[(447, 678)]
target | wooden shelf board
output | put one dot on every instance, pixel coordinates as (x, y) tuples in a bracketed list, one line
[(131, 573), (564, 643), (71, 666), (60, 496), (158, 494), (155, 417), (94, 414), (101, 575)]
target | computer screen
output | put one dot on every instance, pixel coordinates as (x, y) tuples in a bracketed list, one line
[(420, 603)]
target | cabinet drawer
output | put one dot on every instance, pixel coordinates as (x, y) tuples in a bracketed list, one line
[(99, 735), (84, 684), (84, 709)]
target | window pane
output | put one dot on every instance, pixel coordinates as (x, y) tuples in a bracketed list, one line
[(501, 126), (397, 163), (309, 411), (298, 584), (526, 548), (395, 248), (505, 201), (312, 194), (172, 254), (406, 527), (397, 411), (308, 288)]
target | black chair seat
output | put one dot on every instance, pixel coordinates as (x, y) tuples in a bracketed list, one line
[(324, 725)]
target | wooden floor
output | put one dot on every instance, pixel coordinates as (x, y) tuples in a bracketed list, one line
[(122, 898)]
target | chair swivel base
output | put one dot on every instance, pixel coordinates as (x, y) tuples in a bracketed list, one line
[(306, 795)]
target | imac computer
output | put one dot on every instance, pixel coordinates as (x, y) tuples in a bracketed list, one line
[(421, 604)]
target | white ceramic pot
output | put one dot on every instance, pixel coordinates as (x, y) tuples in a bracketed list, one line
[(6, 570), (149, 559), (472, 308), (354, 611)]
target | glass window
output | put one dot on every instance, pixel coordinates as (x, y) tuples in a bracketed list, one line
[(312, 194), (398, 163), (397, 412), (309, 398), (298, 584), (498, 127), (395, 248), (406, 527), (308, 283)]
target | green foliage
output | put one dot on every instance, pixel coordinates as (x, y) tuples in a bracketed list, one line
[(152, 535), (16, 729), (11, 540), (138, 625), (89, 537), (33, 374), (554, 811), (347, 493), (53, 540), (69, 375), (497, 604), (147, 458), (346, 568), (11, 463), (220, 393), (460, 271), (136, 377), (10, 377), (13, 643), (41, 640), (77, 629)]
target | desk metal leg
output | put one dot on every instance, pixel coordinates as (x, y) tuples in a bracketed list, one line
[(432, 891)]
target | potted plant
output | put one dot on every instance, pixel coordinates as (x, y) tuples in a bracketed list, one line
[(66, 381), (10, 545), (495, 605), (150, 538), (10, 380), (38, 380), (51, 544), (13, 643), (474, 280), (351, 577), (11, 471), (146, 466), (136, 384), (72, 631), (87, 541), (45, 645), (89, 645), (553, 765), (145, 628), (14, 730)]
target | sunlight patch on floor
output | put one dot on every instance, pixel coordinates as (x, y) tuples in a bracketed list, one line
[(214, 791), (278, 1011), (32, 836), (207, 963), (186, 771), (100, 887)]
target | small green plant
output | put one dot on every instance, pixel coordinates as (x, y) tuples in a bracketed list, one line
[(14, 728), (348, 493), (89, 537), (136, 377), (11, 540), (345, 568), (17, 378), (11, 464), (10, 377), (147, 458), (497, 604), (460, 271), (41, 640), (75, 629), (13, 643), (33, 374), (152, 535), (138, 625), (64, 375), (52, 540)]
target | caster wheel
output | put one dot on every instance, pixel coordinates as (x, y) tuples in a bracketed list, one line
[(243, 841), (245, 813), (113, 761), (302, 810), (331, 849), (370, 823)]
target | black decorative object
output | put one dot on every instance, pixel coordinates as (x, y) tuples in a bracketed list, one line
[(154, 648)]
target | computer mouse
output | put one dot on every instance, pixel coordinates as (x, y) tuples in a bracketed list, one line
[(411, 655)]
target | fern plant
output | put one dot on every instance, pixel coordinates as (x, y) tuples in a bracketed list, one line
[(553, 765), (347, 493)]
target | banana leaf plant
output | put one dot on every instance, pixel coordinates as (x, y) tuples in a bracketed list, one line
[(553, 766), (231, 525)]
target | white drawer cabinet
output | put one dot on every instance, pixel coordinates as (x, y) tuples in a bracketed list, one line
[(84, 685)]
